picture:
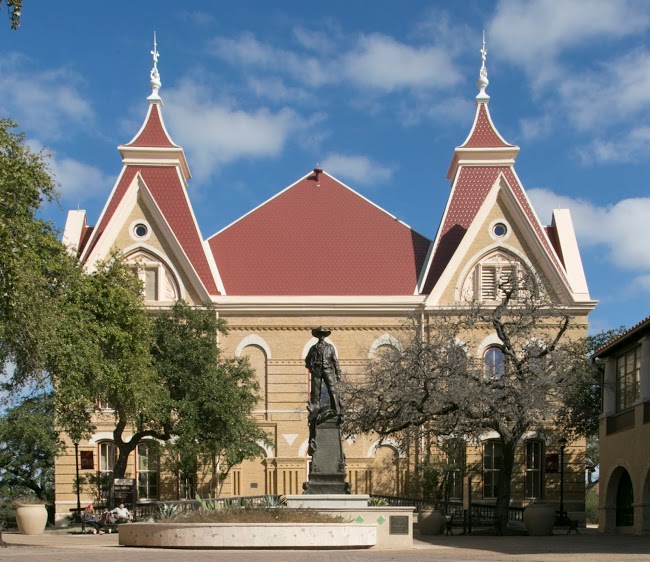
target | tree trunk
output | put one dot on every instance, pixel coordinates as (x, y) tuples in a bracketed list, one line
[(503, 489)]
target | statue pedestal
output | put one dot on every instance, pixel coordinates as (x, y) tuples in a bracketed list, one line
[(327, 473)]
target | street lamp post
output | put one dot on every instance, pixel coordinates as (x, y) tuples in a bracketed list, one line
[(563, 443)]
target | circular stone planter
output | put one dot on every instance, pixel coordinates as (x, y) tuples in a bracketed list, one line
[(539, 518), (431, 522), (248, 535), (31, 519)]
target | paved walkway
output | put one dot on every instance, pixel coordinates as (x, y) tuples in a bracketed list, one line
[(587, 547)]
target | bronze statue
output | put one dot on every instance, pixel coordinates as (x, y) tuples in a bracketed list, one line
[(323, 367), (327, 468)]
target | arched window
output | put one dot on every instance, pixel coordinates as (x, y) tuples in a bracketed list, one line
[(494, 365), (158, 281), (147, 471), (492, 464), (534, 486), (495, 274)]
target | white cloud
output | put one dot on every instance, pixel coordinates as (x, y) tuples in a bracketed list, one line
[(358, 169), (373, 62), (593, 93), (642, 282), (46, 102), (613, 93), (314, 40), (381, 62), (533, 33), (246, 51), (215, 133), (276, 89), (621, 228), (626, 147), (78, 181)]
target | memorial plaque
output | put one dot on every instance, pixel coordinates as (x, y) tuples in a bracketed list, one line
[(552, 464), (124, 491), (87, 461), (398, 524)]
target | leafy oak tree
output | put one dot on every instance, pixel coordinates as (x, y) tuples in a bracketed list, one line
[(163, 374), (580, 409), (34, 268), (14, 8), (432, 381), (211, 396), (119, 334), (28, 446)]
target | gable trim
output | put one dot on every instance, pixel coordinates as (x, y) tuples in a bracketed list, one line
[(545, 259)]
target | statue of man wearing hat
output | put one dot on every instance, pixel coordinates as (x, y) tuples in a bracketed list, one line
[(323, 367)]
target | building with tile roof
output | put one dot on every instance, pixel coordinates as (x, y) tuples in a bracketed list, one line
[(319, 253), (624, 484)]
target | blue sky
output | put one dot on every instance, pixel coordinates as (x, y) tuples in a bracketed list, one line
[(379, 93)]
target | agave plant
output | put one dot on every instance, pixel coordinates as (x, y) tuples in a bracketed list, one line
[(209, 504), (167, 511), (273, 501)]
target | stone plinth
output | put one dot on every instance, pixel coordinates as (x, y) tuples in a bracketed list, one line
[(248, 535), (327, 473), (328, 501)]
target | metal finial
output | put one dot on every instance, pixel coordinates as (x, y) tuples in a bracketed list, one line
[(155, 76), (483, 81)]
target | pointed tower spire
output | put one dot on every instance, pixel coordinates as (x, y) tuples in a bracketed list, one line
[(483, 81), (155, 76)]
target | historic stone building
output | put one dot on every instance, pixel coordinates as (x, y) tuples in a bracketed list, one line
[(371, 272)]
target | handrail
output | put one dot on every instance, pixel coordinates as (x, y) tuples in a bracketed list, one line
[(480, 513)]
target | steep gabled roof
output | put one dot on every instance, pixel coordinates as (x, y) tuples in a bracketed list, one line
[(318, 237), (483, 133), (153, 133), (167, 189), (468, 194), (475, 167)]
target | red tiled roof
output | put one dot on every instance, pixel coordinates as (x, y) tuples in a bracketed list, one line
[(469, 193), (483, 134), (153, 133), (601, 351), (319, 238), (168, 192)]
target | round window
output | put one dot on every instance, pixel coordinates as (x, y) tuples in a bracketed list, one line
[(500, 229), (140, 230)]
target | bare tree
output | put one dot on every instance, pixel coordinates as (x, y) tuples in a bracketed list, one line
[(434, 380)]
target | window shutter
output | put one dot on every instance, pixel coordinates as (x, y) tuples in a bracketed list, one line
[(488, 282)]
